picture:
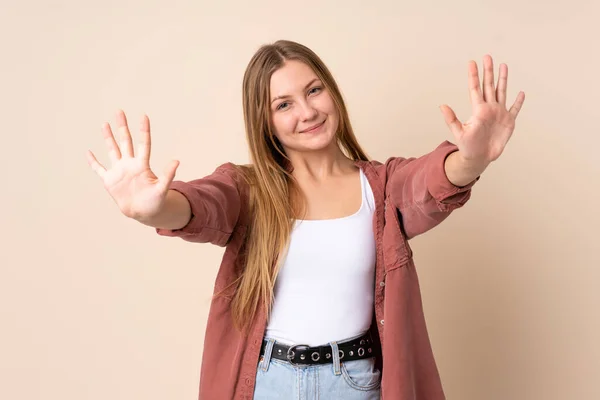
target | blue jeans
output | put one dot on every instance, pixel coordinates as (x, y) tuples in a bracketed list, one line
[(351, 380)]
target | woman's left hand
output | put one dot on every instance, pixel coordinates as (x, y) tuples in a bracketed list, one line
[(483, 137)]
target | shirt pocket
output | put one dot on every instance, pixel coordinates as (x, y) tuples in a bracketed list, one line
[(232, 263), (396, 250)]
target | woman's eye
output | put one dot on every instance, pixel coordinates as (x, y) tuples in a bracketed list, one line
[(314, 90), (281, 106)]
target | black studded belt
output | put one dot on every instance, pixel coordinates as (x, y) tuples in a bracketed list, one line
[(356, 349)]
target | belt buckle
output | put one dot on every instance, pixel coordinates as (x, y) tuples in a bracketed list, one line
[(291, 353)]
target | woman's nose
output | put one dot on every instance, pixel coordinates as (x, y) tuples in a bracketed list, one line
[(308, 112)]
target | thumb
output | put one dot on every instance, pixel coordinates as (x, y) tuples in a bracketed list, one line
[(169, 173), (453, 123)]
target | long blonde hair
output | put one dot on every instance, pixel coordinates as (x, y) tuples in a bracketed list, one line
[(275, 197)]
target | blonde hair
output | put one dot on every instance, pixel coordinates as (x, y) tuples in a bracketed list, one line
[(272, 187)]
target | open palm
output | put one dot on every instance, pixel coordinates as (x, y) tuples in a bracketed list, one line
[(138, 192), (483, 137)]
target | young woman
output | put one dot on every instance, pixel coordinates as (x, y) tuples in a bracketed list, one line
[(317, 296)]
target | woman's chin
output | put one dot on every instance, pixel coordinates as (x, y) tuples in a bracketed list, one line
[(323, 144)]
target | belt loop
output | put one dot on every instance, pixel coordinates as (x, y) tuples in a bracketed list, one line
[(336, 358), (267, 356)]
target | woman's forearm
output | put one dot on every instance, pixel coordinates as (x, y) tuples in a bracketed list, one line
[(175, 213), (460, 171)]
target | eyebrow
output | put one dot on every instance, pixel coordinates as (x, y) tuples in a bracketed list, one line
[(305, 87)]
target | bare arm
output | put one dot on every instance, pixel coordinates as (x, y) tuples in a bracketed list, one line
[(215, 204), (460, 172), (175, 213), (204, 210)]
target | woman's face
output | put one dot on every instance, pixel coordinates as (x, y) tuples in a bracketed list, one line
[(303, 114)]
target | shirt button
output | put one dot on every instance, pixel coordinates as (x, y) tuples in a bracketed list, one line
[(381, 322), (382, 284), (248, 381), (255, 341)]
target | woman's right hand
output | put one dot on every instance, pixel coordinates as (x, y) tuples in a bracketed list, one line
[(138, 192)]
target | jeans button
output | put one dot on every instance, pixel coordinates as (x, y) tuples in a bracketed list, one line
[(381, 322)]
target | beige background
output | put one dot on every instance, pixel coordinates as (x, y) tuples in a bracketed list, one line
[(96, 306)]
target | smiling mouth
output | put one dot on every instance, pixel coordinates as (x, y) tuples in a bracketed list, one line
[(313, 128)]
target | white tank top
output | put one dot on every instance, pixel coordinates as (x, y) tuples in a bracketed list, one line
[(324, 289)]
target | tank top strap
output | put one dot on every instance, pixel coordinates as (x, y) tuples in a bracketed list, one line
[(367, 193)]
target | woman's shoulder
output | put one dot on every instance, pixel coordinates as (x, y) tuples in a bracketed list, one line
[(242, 174), (375, 165), (233, 169)]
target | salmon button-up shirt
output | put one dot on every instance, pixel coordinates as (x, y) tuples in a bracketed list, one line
[(412, 195)]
